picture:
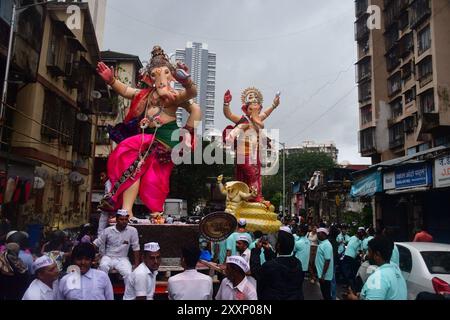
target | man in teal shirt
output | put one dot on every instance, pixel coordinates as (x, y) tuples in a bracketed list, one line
[(389, 233), (302, 247), (350, 264), (263, 238), (324, 263), (365, 243), (387, 282), (231, 241), (342, 239), (219, 251)]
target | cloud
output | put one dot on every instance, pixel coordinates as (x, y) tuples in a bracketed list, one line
[(303, 48)]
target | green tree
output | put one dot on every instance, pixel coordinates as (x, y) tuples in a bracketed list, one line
[(299, 167)]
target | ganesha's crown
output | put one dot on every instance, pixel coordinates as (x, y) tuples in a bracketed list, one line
[(159, 59), (253, 90)]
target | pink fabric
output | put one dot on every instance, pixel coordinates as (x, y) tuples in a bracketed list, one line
[(154, 175)]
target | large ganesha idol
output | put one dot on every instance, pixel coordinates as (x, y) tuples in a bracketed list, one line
[(141, 163), (244, 196)]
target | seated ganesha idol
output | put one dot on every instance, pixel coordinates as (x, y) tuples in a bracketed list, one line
[(141, 163)]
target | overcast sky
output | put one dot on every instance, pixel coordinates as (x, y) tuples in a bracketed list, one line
[(304, 48)]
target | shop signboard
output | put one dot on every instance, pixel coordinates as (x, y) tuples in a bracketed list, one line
[(442, 172), (367, 186), (412, 176), (389, 180)]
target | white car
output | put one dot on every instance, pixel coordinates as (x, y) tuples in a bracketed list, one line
[(425, 267)]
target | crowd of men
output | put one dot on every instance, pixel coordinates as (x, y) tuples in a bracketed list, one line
[(255, 266)]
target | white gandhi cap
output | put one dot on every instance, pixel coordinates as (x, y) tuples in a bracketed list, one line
[(151, 246), (240, 262), (42, 262), (324, 230), (242, 222), (122, 212), (243, 238)]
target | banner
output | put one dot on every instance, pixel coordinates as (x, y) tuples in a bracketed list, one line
[(367, 185)]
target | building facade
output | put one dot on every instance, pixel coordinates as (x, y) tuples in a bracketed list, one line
[(202, 66), (311, 146), (48, 132), (403, 75)]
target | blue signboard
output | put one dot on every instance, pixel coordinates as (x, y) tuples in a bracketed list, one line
[(411, 176), (367, 185)]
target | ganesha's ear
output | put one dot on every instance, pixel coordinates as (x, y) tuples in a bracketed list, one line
[(145, 78), (245, 109)]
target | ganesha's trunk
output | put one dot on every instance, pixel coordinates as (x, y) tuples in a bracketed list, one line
[(167, 94)]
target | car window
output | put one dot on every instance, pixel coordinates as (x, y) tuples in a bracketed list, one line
[(438, 262), (405, 259)]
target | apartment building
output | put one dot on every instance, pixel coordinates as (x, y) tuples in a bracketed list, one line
[(403, 75), (49, 128)]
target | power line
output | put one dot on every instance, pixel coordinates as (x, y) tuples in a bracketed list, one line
[(323, 114), (253, 39)]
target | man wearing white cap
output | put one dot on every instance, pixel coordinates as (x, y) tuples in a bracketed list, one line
[(231, 241), (324, 263), (242, 243), (236, 286), (45, 286), (350, 264), (114, 242), (190, 284), (141, 283)]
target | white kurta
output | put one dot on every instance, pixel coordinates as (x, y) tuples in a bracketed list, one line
[(190, 285), (40, 291), (140, 283)]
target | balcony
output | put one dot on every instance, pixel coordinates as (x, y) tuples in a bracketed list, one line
[(361, 29), (410, 124), (394, 84), (420, 10), (425, 71), (365, 91), (396, 136), (405, 45), (366, 115), (367, 142), (391, 36), (396, 108), (392, 60), (361, 7), (363, 70)]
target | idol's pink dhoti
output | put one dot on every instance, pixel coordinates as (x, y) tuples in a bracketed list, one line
[(154, 174)]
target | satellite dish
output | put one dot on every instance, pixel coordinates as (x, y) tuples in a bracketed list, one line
[(96, 94), (39, 183), (58, 178), (76, 178), (41, 173), (82, 117)]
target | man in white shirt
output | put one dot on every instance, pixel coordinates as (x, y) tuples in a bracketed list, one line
[(190, 284), (45, 286), (236, 286), (141, 283), (81, 281), (114, 242), (242, 243)]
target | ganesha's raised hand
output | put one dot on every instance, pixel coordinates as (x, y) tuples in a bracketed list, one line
[(181, 74), (227, 97), (276, 101), (107, 74)]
